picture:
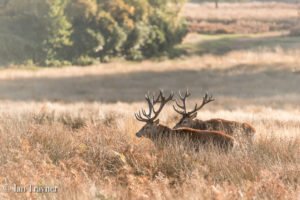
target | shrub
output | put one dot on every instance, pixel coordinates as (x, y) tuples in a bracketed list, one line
[(58, 34), (74, 29)]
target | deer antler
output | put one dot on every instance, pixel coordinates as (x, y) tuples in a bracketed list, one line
[(206, 99), (151, 102), (183, 99)]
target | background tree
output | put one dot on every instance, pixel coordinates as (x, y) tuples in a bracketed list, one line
[(59, 30), (79, 31)]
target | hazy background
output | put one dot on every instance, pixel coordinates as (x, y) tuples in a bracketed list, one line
[(242, 50)]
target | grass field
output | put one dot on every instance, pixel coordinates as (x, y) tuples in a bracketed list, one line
[(74, 128), (251, 17)]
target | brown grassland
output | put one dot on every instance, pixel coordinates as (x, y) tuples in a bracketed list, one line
[(74, 127), (252, 17)]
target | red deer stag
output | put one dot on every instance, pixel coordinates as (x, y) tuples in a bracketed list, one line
[(231, 128), (157, 132)]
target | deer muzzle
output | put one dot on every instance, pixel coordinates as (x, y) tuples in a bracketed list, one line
[(139, 134)]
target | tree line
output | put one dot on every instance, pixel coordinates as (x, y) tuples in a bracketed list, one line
[(58, 32)]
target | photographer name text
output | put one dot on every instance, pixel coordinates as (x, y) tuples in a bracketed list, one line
[(28, 188)]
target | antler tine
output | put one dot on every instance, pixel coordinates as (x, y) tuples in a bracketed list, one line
[(180, 95), (151, 102), (183, 99), (145, 114), (187, 94), (158, 97), (178, 111), (139, 117), (171, 96), (206, 99), (166, 100), (163, 102), (150, 106), (180, 106), (147, 117)]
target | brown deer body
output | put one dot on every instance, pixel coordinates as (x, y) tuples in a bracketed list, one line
[(232, 128), (156, 132)]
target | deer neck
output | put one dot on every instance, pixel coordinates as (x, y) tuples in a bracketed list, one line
[(164, 129), (198, 124), (161, 131)]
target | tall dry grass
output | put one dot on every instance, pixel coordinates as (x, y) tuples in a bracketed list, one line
[(90, 152), (245, 17), (269, 11)]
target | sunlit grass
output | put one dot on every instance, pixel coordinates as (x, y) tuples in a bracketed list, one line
[(90, 151)]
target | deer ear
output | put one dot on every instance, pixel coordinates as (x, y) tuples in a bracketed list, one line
[(193, 115), (156, 121)]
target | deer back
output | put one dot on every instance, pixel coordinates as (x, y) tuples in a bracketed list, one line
[(164, 136), (243, 132), (216, 138)]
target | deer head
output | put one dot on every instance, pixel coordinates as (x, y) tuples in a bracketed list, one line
[(187, 119), (150, 128)]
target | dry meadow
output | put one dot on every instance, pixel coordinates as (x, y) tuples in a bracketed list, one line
[(74, 128)]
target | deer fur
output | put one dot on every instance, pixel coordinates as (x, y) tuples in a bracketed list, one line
[(232, 128), (157, 132), (154, 131)]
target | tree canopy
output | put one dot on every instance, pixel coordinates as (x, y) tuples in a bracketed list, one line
[(51, 32)]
